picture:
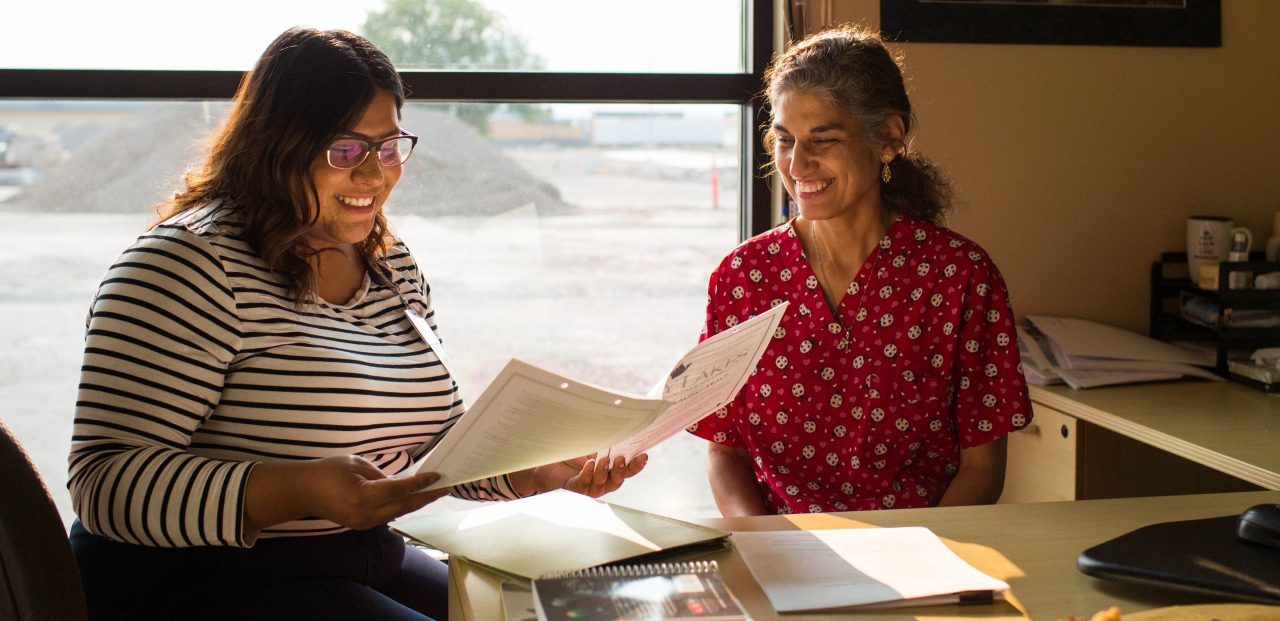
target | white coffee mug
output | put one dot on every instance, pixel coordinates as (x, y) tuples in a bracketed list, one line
[(1209, 241)]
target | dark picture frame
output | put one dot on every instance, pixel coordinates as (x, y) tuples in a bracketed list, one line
[(1172, 23)]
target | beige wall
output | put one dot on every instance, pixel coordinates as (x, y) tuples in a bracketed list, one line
[(1077, 165)]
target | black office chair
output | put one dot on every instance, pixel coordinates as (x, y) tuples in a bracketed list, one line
[(38, 575)]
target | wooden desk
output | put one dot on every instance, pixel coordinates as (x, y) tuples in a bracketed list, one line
[(1031, 546), (1225, 426), (1185, 437)]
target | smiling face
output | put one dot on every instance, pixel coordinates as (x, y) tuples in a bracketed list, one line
[(349, 199), (822, 157)]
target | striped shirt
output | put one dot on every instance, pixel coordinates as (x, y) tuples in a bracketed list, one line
[(197, 365)]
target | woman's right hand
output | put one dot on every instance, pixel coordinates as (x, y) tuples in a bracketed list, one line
[(345, 489), (351, 491)]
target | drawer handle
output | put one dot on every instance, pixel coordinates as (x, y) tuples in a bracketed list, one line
[(1066, 432)]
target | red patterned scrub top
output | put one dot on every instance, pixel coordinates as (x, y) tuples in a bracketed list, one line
[(869, 410)]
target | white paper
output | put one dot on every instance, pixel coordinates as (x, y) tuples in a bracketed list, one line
[(705, 379), (824, 569), (528, 417), (1081, 338)]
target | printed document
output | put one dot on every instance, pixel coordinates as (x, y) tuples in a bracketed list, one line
[(529, 416), (871, 567)]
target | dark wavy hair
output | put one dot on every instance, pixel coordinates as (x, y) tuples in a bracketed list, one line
[(307, 86), (851, 66)]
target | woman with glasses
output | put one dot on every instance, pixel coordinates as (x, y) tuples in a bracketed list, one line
[(253, 379), (894, 378)]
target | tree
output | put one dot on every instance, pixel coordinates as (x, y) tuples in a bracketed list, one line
[(452, 34)]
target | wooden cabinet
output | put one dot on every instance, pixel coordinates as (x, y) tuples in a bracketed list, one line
[(1042, 459)]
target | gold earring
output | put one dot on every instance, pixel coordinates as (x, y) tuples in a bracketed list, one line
[(885, 174)]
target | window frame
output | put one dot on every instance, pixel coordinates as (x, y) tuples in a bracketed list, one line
[(742, 89)]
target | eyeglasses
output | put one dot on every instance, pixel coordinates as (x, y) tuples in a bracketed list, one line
[(345, 153)]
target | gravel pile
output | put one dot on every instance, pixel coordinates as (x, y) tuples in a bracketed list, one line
[(136, 163)]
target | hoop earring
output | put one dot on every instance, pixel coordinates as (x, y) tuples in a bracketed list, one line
[(886, 175)]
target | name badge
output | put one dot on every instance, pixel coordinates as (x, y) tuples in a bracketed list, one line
[(424, 330)]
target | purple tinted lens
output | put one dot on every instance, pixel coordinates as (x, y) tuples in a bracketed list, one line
[(395, 152), (346, 153)]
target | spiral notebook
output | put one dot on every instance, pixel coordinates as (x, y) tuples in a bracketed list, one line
[(688, 590)]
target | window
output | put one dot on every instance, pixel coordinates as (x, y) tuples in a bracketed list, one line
[(570, 219)]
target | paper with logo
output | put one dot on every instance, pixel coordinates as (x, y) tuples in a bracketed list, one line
[(529, 416), (706, 379), (556, 531), (644, 592), (870, 567)]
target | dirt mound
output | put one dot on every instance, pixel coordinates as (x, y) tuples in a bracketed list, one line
[(138, 162)]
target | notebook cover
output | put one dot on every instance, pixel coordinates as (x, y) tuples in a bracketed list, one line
[(1203, 556)]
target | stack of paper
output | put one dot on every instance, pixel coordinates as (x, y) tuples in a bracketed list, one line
[(811, 570), (1085, 354)]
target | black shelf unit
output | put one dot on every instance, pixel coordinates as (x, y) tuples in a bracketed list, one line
[(1169, 283)]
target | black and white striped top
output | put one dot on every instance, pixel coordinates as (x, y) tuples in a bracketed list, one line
[(197, 365)]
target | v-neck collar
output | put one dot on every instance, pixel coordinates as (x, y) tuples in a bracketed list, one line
[(850, 302)]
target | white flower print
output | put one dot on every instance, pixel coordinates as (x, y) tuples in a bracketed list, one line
[(890, 350), (774, 247), (777, 447), (765, 390), (832, 459), (885, 292), (964, 383), (877, 414), (914, 332), (811, 282), (982, 289), (990, 370), (813, 486), (828, 373), (806, 346), (781, 417), (836, 400), (935, 425), (785, 274), (810, 426), (993, 316), (720, 437), (857, 412), (797, 389), (854, 462), (936, 299), (949, 270), (936, 361), (792, 490), (984, 425), (1018, 420), (814, 508), (808, 451), (858, 362), (989, 400), (948, 328), (974, 255), (1002, 339), (889, 501), (922, 269), (736, 263), (881, 449), (755, 275), (840, 506), (738, 292), (753, 418), (862, 314), (780, 362), (839, 431), (919, 235), (971, 346), (886, 320), (902, 424), (780, 333), (899, 261), (731, 321)]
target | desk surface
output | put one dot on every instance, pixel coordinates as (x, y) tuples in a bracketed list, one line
[(1222, 425), (1031, 546)]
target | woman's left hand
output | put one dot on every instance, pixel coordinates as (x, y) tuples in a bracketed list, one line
[(587, 475)]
